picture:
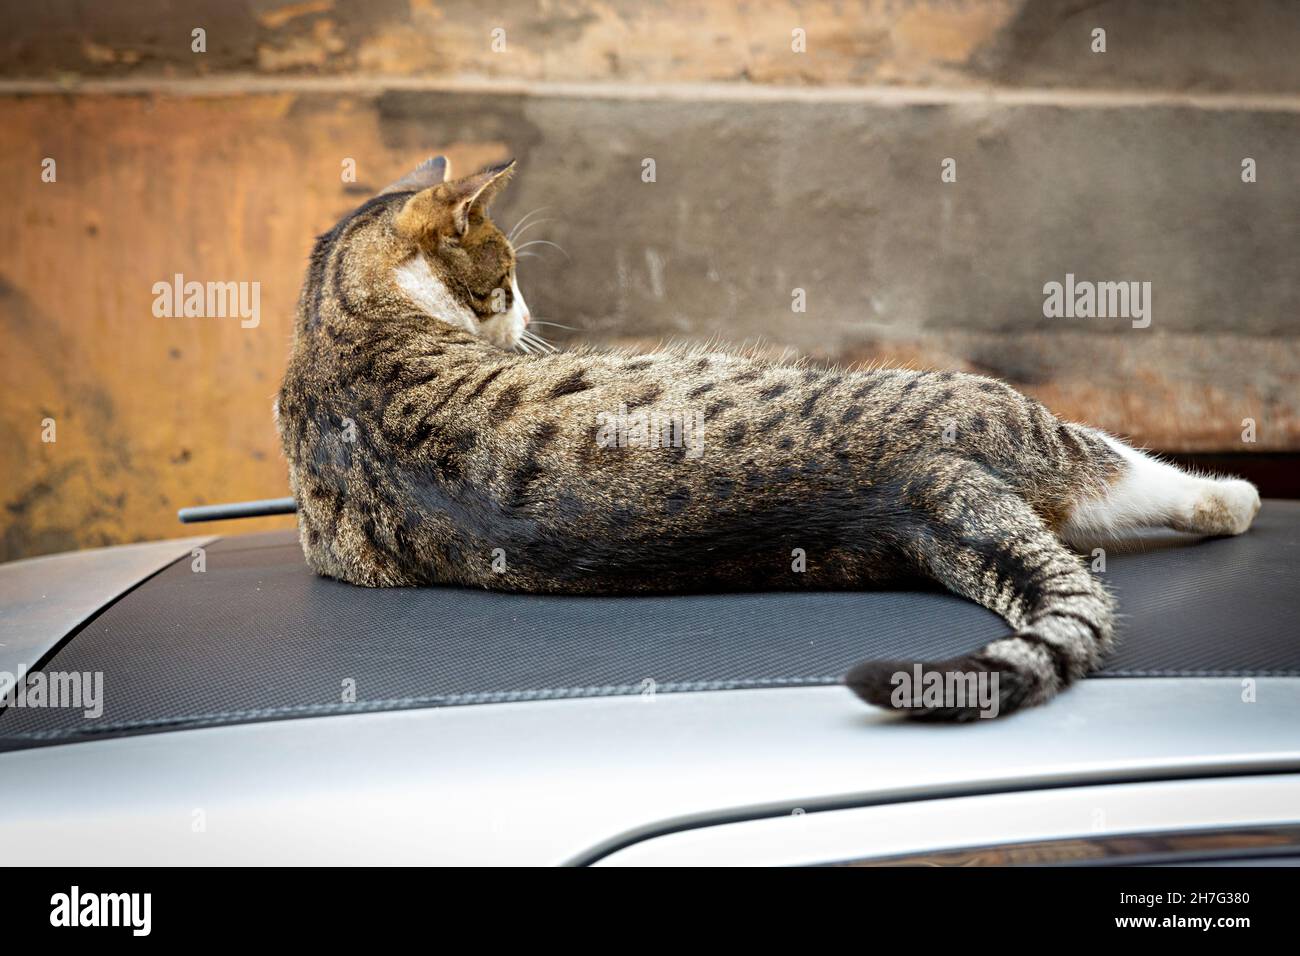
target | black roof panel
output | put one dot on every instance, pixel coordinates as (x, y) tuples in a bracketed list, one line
[(258, 637)]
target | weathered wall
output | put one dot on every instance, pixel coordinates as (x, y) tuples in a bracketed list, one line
[(1245, 45), (775, 171)]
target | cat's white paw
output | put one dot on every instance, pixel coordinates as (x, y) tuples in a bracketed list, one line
[(1223, 507)]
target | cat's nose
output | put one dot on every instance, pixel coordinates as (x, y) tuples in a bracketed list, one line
[(527, 317)]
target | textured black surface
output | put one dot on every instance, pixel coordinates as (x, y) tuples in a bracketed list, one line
[(257, 636)]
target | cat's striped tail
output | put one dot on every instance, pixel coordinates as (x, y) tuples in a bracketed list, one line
[(989, 545)]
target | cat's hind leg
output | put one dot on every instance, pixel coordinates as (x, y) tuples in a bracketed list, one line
[(981, 539), (1145, 492)]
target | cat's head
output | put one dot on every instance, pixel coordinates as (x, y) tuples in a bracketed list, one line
[(426, 241)]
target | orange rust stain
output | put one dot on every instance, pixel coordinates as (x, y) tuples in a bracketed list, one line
[(150, 413), (274, 19)]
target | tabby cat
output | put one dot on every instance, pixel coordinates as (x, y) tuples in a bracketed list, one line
[(424, 448)]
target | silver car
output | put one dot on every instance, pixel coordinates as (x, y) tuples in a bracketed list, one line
[(210, 701)]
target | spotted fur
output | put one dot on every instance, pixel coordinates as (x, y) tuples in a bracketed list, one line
[(423, 451)]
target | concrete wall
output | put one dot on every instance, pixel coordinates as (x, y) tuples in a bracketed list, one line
[(775, 171)]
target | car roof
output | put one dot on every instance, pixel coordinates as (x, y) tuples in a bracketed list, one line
[(244, 632), (578, 781), (510, 728)]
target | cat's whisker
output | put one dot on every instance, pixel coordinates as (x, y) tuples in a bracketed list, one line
[(542, 242), (514, 231), (537, 341), (526, 255), (535, 222), (515, 228), (556, 325)]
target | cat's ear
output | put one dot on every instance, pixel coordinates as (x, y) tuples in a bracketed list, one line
[(431, 172), (476, 193), (445, 209)]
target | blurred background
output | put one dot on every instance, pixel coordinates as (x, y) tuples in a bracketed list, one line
[(920, 169)]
